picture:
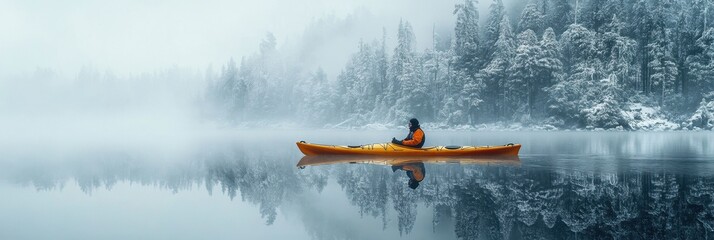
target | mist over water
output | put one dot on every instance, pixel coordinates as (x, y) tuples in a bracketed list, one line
[(246, 184)]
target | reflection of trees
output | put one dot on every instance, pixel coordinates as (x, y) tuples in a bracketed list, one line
[(506, 202), (479, 202), (404, 200), (701, 197), (660, 210), (261, 181), (366, 188)]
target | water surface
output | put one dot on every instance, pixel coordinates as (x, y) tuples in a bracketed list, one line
[(245, 185)]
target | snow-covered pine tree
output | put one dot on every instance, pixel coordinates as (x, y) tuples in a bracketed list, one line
[(578, 46), (685, 35), (663, 69), (382, 80), (598, 13), (689, 28), (467, 40), (662, 65), (560, 16), (703, 117), (531, 18), (549, 70), (404, 76), (269, 93), (620, 52), (471, 95), (568, 98), (365, 79), (523, 76), (602, 107), (319, 102), (359, 84), (700, 66), (437, 77), (493, 28), (242, 88), (467, 61), (231, 88), (381, 65), (640, 25), (496, 72)]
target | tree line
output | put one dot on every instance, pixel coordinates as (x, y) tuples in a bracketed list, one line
[(570, 64)]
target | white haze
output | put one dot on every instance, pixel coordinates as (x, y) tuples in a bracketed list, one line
[(73, 72), (139, 36)]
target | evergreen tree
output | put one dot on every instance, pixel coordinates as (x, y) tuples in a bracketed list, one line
[(360, 84), (578, 47), (701, 66), (496, 72), (620, 52), (571, 101), (320, 107), (241, 87), (531, 18), (662, 66), (549, 69), (601, 109), (597, 13), (685, 37), (471, 97), (703, 117), (524, 75), (404, 76), (437, 74), (232, 89), (467, 37), (560, 16), (467, 60), (381, 63), (496, 13), (640, 26)]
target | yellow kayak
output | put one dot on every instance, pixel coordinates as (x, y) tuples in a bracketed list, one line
[(385, 160), (390, 149)]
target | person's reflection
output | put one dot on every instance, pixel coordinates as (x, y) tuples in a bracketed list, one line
[(415, 172)]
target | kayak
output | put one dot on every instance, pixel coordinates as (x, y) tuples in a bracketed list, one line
[(393, 161), (390, 149)]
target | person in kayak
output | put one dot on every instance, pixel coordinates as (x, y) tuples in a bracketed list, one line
[(416, 137), (415, 172)]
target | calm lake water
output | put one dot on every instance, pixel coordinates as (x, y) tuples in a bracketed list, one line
[(245, 185)]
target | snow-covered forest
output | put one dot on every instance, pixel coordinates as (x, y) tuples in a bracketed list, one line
[(585, 64)]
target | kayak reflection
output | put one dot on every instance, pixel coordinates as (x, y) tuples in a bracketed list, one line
[(414, 168), (395, 161)]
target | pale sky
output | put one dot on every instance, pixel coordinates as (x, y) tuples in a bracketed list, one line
[(137, 36)]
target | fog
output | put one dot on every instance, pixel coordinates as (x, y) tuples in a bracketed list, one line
[(88, 70), (140, 36)]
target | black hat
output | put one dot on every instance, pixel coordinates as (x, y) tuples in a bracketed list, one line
[(414, 122)]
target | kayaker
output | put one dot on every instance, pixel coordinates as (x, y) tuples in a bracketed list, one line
[(415, 172), (416, 137)]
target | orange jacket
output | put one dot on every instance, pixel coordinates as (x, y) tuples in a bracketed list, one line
[(417, 138)]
